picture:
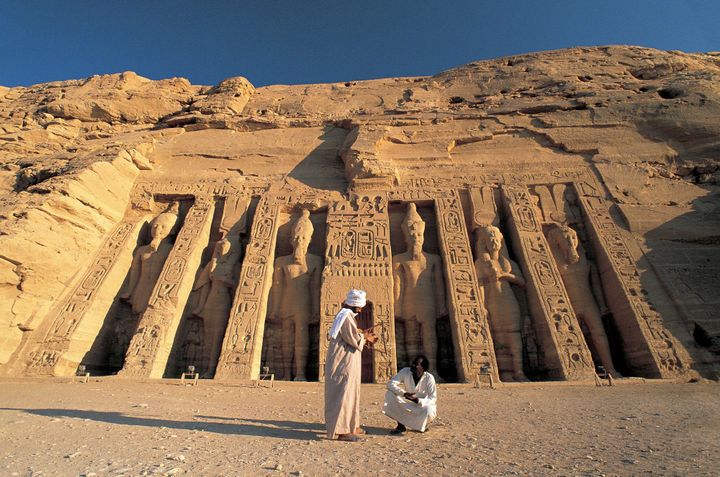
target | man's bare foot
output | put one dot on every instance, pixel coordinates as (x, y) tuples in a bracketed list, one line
[(359, 431), (348, 438)]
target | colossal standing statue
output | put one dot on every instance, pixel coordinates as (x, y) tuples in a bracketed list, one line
[(495, 273), (578, 275), (295, 297), (148, 261), (216, 283), (419, 289)]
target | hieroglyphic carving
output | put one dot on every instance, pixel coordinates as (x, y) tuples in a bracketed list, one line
[(149, 348), (59, 335), (242, 347), (358, 256), (469, 325), (658, 353), (244, 187), (547, 296)]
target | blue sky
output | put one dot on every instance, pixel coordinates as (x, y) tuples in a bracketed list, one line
[(294, 42)]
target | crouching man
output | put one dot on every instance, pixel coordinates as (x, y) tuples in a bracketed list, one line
[(411, 397)]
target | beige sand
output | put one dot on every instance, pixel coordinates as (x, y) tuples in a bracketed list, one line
[(114, 427)]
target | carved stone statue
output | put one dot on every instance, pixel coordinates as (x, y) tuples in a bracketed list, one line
[(215, 284), (582, 283), (148, 261), (295, 297), (495, 273), (419, 289)]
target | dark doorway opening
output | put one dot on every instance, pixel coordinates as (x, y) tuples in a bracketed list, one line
[(365, 320)]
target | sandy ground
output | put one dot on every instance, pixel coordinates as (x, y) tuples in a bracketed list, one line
[(116, 427)]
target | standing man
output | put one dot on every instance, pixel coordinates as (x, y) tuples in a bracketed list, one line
[(411, 398), (343, 367)]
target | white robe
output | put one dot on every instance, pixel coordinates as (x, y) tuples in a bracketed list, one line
[(411, 415), (343, 367)]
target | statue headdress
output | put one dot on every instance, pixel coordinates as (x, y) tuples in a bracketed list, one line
[(412, 218)]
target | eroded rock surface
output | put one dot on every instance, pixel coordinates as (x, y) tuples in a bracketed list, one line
[(80, 158)]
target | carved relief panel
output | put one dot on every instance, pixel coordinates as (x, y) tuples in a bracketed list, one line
[(358, 256), (471, 333)]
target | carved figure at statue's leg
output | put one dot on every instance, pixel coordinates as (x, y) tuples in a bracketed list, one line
[(577, 274), (295, 298), (412, 337), (495, 273), (215, 286), (419, 289), (429, 338), (288, 346), (192, 348), (302, 346), (148, 262)]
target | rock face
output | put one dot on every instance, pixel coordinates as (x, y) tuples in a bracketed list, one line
[(568, 202)]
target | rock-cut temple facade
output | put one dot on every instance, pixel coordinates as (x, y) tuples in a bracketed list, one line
[(538, 217)]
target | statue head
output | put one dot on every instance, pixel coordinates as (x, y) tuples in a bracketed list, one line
[(302, 233), (223, 246), (489, 239), (163, 224), (413, 228), (566, 239)]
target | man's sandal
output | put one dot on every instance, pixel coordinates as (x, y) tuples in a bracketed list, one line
[(348, 438)]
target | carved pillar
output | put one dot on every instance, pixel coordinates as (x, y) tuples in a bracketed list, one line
[(59, 344), (242, 347), (650, 349), (358, 256), (149, 348), (568, 356), (468, 319)]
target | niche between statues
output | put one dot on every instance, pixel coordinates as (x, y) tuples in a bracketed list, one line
[(292, 329), (201, 332), (154, 243), (422, 324)]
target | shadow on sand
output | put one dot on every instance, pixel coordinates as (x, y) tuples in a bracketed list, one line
[(247, 427)]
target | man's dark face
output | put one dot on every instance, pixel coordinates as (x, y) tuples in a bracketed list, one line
[(417, 368)]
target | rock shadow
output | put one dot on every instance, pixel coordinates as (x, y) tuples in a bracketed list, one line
[(323, 168), (679, 272)]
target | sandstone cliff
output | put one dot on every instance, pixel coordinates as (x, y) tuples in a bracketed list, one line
[(646, 122)]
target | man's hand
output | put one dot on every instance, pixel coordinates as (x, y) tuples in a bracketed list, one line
[(411, 397), (370, 337)]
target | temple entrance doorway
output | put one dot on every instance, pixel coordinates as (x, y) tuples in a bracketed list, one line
[(365, 320)]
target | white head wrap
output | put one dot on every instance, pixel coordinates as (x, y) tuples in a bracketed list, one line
[(354, 298)]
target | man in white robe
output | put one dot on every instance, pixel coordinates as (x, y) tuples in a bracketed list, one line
[(343, 367), (411, 398)]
